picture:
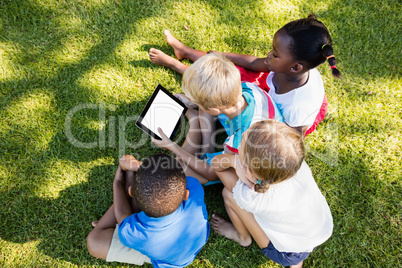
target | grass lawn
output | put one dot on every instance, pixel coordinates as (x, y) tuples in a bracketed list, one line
[(84, 64)]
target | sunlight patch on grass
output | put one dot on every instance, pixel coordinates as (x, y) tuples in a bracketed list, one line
[(194, 11), (30, 117), (55, 55), (74, 49), (131, 49), (62, 174), (110, 83), (7, 68), (277, 10), (18, 253)]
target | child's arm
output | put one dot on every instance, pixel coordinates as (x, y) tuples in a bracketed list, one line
[(196, 164), (249, 62), (122, 208), (225, 161)]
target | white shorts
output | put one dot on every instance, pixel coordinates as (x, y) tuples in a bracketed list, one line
[(120, 253)]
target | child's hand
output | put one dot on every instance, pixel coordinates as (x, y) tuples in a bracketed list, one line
[(165, 143), (128, 162), (244, 173), (186, 100), (119, 177)]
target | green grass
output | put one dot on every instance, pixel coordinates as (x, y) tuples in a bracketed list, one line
[(56, 55)]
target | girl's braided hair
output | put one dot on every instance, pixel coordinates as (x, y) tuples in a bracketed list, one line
[(311, 43)]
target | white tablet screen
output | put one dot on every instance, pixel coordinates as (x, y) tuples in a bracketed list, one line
[(164, 112)]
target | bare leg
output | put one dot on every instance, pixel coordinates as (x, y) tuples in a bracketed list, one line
[(229, 178), (243, 222), (193, 145), (208, 127), (181, 50), (190, 172), (193, 142), (99, 239), (184, 52), (234, 230)]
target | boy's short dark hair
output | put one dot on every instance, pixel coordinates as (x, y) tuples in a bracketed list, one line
[(159, 185)]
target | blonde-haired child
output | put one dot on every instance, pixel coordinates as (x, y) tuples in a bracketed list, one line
[(288, 73), (213, 84), (271, 195)]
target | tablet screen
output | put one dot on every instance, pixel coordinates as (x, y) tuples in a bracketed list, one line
[(164, 111)]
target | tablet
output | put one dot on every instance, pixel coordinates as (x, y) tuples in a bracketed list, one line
[(164, 111)]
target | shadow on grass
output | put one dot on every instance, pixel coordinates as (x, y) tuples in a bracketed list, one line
[(36, 32), (61, 224), (365, 213)]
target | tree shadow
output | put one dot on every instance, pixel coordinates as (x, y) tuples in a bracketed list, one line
[(61, 224), (364, 208), (28, 160)]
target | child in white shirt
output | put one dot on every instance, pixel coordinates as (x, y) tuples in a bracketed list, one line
[(286, 73), (271, 195)]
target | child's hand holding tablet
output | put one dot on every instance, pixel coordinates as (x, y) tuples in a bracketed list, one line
[(163, 111)]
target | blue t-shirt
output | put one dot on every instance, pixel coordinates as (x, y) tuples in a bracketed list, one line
[(260, 107), (173, 240)]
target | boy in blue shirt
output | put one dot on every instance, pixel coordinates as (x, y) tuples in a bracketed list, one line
[(169, 225)]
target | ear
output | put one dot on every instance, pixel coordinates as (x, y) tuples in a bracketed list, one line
[(186, 195), (131, 191), (296, 68)]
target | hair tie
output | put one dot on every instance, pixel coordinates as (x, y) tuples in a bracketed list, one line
[(333, 67), (259, 182), (323, 46), (331, 56)]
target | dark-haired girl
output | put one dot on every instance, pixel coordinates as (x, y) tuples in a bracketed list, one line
[(288, 72)]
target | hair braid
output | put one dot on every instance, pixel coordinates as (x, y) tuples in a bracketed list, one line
[(262, 187), (328, 52)]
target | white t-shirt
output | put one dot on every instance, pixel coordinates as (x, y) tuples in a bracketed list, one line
[(300, 106), (293, 214)]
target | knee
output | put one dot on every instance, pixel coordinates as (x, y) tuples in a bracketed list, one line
[(227, 195), (93, 243)]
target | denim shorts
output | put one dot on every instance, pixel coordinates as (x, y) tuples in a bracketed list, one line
[(284, 258)]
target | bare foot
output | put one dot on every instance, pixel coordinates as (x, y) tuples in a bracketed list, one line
[(160, 58), (94, 223), (226, 229), (179, 47)]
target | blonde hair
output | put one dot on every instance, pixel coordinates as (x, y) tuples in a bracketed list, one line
[(212, 81), (273, 151)]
